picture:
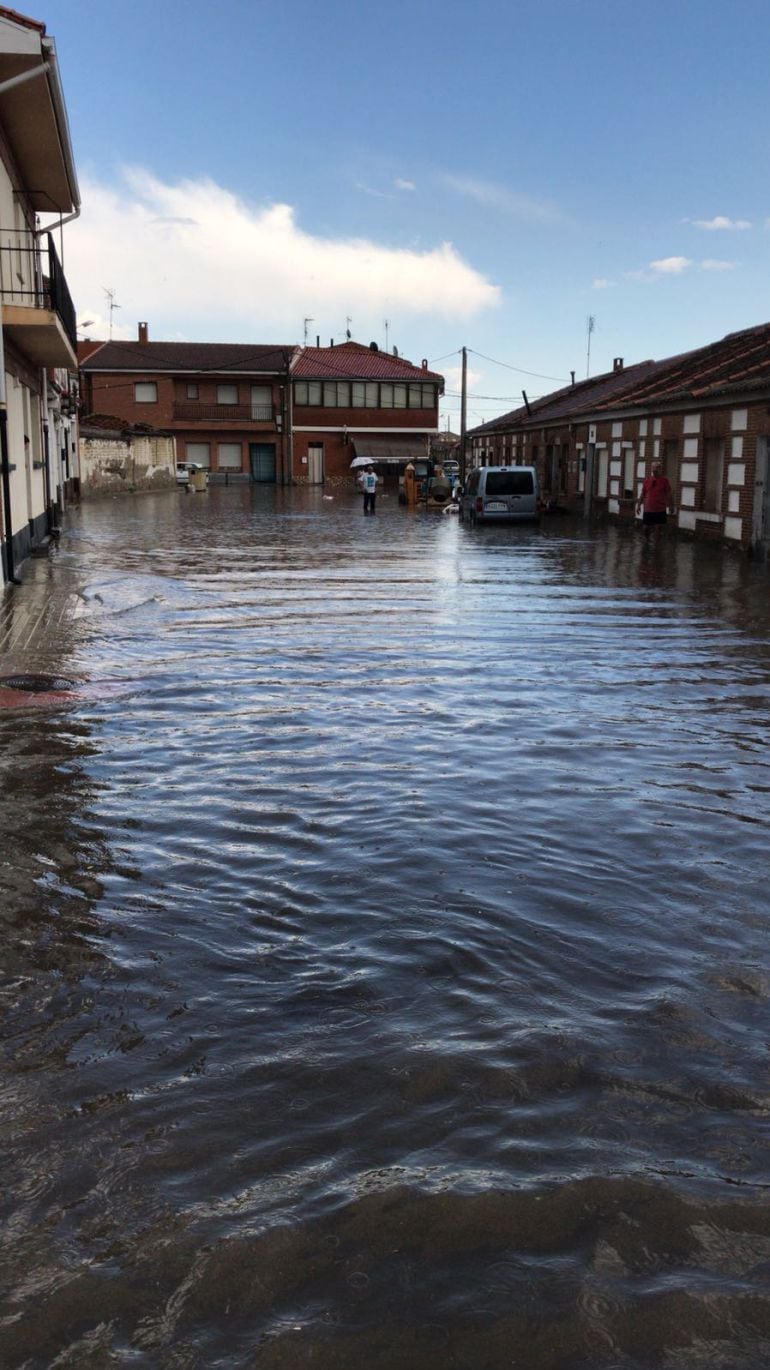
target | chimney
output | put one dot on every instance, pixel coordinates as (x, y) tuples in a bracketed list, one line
[(572, 373), (318, 339), (425, 363), (143, 333), (373, 347), (617, 363)]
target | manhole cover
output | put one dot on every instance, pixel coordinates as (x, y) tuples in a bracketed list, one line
[(37, 684)]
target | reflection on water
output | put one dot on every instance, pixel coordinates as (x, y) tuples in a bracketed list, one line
[(385, 963)]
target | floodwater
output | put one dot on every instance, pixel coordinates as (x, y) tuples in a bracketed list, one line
[(385, 946)]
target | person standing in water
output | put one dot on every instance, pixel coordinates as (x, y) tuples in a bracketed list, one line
[(656, 500), (369, 487)]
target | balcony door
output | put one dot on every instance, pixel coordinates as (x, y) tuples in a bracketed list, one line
[(261, 403)]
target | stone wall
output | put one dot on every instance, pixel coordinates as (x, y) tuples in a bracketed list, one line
[(114, 464)]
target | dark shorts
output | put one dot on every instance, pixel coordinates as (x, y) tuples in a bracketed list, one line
[(655, 518)]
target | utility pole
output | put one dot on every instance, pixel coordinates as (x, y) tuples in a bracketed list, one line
[(590, 326), (463, 413)]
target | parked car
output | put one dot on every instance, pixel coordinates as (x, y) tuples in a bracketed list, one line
[(451, 469), (497, 494), (184, 469)]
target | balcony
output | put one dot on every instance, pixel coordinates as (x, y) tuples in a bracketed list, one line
[(38, 313), (190, 411)]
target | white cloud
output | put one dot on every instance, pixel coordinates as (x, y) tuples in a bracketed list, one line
[(714, 264), (601, 283), (500, 198), (720, 221), (369, 190), (404, 185), (196, 261), (670, 266)]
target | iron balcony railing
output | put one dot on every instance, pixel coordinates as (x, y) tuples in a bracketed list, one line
[(192, 412), (31, 275)]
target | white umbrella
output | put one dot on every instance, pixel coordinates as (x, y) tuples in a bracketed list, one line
[(360, 461)]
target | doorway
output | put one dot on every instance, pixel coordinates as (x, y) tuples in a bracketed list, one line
[(262, 462), (315, 463), (761, 523)]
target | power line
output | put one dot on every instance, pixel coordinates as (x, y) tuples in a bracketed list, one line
[(538, 374)]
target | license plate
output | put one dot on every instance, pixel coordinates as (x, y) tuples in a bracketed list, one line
[(496, 506)]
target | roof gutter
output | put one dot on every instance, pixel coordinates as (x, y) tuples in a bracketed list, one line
[(62, 123)]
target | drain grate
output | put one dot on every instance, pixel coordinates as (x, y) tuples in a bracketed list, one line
[(37, 684)]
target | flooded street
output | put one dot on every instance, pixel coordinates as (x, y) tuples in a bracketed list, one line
[(385, 945)]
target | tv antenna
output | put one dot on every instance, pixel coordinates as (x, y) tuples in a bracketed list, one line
[(387, 326), (348, 322), (590, 326), (111, 304)]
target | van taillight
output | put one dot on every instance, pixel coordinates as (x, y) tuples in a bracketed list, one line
[(479, 505)]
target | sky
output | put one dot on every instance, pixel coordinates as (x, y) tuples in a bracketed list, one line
[(428, 177)]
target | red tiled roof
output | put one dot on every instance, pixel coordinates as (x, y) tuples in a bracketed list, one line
[(738, 363), (355, 361), (584, 396), (17, 18), (108, 423), (245, 358)]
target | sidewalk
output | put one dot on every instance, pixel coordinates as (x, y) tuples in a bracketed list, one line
[(35, 616)]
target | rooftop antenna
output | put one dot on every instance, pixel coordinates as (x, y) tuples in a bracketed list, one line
[(307, 321), (112, 305), (387, 326), (590, 326), (348, 322)]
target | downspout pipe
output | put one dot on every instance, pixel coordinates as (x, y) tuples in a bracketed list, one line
[(5, 472)]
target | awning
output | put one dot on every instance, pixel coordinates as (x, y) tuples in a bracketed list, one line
[(396, 450)]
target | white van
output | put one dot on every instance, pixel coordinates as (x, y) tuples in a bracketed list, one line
[(497, 494)]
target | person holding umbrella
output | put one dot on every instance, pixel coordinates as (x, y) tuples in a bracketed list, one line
[(368, 480)]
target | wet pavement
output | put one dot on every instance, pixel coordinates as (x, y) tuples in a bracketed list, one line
[(385, 923)]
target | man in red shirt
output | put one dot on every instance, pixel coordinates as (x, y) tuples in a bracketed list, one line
[(656, 499)]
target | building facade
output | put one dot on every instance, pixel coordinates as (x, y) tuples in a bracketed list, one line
[(704, 414), (38, 441), (356, 401), (226, 404)]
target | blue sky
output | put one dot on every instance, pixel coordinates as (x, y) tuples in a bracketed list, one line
[(484, 174)]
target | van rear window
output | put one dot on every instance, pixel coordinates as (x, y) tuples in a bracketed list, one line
[(510, 483)]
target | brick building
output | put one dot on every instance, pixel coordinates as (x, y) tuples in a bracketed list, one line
[(352, 400), (704, 413), (226, 404)]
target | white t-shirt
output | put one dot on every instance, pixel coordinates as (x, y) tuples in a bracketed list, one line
[(369, 482)]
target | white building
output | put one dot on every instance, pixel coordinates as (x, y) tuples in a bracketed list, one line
[(38, 355)]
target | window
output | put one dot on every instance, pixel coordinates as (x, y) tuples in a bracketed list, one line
[(199, 452), (330, 393), (415, 397), (314, 392), (300, 392), (227, 394), (386, 396), (192, 391), (343, 394), (399, 397), (228, 456), (145, 392)]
